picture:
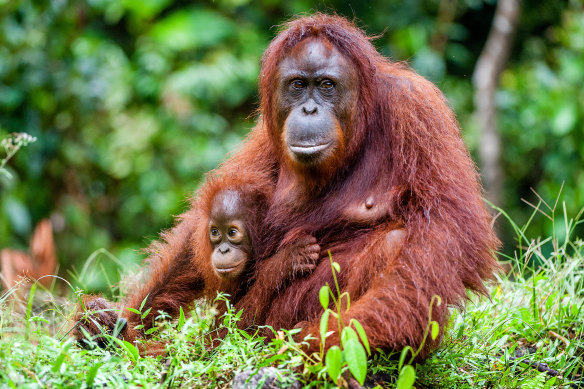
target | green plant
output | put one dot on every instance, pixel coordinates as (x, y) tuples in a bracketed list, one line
[(480, 348), (533, 318), (351, 352), (11, 145), (407, 372)]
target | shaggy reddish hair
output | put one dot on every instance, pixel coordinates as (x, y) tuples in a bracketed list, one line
[(404, 149), (404, 135)]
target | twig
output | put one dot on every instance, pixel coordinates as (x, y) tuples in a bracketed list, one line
[(560, 337), (541, 367)]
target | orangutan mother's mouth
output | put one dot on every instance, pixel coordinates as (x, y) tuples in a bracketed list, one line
[(308, 149)]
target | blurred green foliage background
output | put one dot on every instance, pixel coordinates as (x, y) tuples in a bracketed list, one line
[(132, 101)]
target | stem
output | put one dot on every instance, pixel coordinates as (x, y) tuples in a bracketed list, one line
[(414, 355), (334, 274), (9, 155), (337, 303)]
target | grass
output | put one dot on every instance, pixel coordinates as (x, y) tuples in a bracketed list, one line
[(529, 334)]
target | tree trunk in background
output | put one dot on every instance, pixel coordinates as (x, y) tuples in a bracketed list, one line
[(486, 79)]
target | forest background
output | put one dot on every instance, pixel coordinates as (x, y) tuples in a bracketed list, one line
[(132, 101)]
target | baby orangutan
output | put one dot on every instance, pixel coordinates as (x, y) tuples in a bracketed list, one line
[(233, 233), (226, 260), (229, 235)]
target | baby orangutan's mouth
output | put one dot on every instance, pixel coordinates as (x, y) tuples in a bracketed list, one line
[(230, 270)]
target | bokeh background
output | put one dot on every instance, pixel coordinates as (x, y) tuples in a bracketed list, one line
[(132, 101)]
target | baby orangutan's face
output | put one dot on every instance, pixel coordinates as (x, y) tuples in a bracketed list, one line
[(228, 235)]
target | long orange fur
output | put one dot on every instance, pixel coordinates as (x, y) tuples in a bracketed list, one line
[(438, 239)]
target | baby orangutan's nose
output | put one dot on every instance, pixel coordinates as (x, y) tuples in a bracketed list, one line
[(223, 249)]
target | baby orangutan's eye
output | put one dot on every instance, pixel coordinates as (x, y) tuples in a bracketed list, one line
[(214, 231), (235, 235)]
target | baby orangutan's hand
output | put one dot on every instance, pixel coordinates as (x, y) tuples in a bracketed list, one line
[(304, 254)]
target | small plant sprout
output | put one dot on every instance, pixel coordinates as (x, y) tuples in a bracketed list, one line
[(407, 372), (354, 346)]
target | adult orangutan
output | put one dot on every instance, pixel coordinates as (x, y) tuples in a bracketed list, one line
[(341, 127)]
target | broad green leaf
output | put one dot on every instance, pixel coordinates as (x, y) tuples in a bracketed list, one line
[(333, 362), (435, 329), (462, 327), (324, 324), (181, 319), (59, 361), (275, 358), (551, 383), (118, 327), (29, 307), (146, 313), (92, 373), (537, 382), (130, 349), (346, 294), (348, 334), (403, 355), (323, 296), (337, 267), (356, 359), (293, 331), (37, 319), (143, 302), (245, 334), (137, 312), (406, 378), (362, 335)]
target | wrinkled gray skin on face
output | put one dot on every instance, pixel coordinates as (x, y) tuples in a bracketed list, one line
[(316, 92)]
